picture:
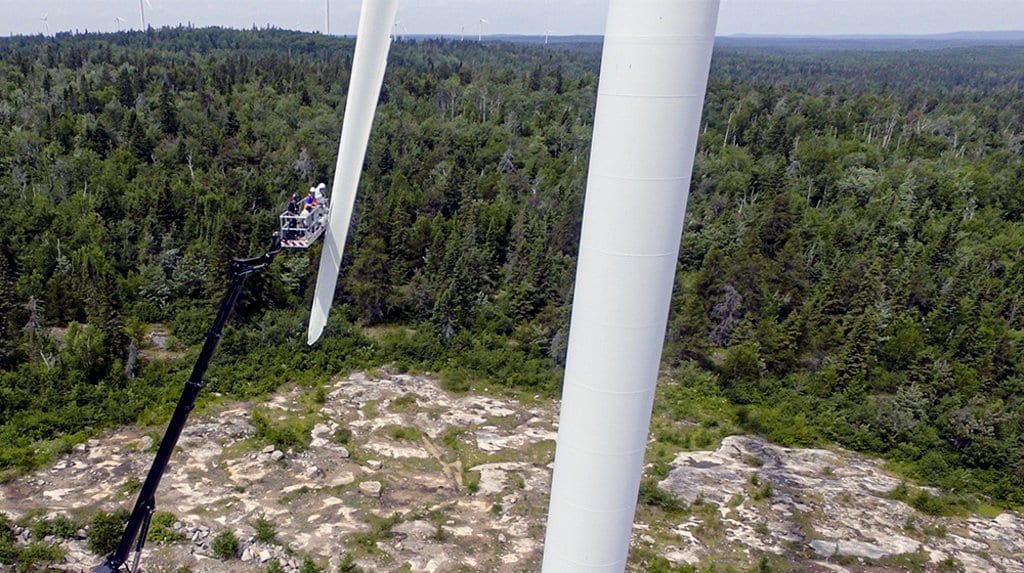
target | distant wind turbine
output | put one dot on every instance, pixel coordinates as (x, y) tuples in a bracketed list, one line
[(480, 33), (46, 23), (463, 39), (119, 22), (546, 34), (327, 16)]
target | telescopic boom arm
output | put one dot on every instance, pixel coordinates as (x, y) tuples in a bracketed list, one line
[(138, 524)]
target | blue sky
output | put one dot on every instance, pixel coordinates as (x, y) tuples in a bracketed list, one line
[(787, 17)]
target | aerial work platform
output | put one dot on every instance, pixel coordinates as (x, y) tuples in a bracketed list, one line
[(303, 222)]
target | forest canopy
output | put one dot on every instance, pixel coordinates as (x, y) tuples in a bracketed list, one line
[(851, 270)]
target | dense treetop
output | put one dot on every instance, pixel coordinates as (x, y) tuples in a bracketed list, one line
[(851, 270)]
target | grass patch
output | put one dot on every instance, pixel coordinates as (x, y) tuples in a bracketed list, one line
[(296, 494), (928, 504), (988, 510), (130, 487), (403, 433), (711, 530), (470, 479), (371, 409), (404, 402), (761, 490), (290, 432), (914, 562), (380, 527)]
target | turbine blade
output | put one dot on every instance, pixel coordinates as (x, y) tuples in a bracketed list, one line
[(368, 65)]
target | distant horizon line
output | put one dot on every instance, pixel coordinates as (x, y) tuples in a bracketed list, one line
[(1005, 35)]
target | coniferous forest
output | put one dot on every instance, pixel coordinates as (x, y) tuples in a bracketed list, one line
[(852, 270)]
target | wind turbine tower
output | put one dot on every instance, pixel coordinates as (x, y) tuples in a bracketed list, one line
[(46, 23), (480, 32), (654, 75), (142, 13), (327, 16)]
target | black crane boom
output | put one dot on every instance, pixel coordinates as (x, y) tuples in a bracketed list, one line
[(138, 524)]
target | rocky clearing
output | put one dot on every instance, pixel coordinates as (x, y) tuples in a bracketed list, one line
[(429, 481)]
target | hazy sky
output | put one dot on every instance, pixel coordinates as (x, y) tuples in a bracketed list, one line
[(802, 17)]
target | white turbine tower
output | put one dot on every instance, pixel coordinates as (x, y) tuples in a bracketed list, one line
[(654, 73), (327, 16), (119, 22), (368, 65), (142, 12), (480, 32), (546, 34), (46, 23)]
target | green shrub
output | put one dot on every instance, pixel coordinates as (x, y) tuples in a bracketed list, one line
[(39, 556), (105, 531), (225, 545), (310, 566), (343, 436), (161, 529), (348, 565), (659, 564), (265, 531), (6, 528), (654, 496), (58, 526), (274, 566)]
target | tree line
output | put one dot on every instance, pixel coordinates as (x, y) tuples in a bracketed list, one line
[(850, 272)]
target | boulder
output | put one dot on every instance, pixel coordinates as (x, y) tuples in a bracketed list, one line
[(371, 488)]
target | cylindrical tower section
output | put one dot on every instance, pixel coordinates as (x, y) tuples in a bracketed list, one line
[(654, 75)]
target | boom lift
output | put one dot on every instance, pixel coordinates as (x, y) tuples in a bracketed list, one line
[(303, 233)]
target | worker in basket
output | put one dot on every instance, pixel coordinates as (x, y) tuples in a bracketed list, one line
[(303, 219)]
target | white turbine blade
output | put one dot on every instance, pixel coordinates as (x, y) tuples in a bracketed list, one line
[(368, 65)]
